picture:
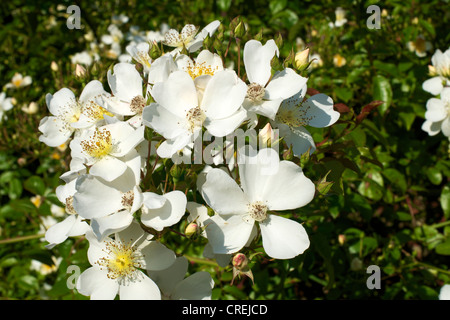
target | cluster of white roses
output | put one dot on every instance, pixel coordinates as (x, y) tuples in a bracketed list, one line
[(437, 116), (176, 97)]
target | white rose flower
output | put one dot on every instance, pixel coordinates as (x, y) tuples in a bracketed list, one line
[(265, 93), (117, 264), (188, 37), (70, 114), (19, 81), (295, 113), (437, 116), (267, 184), (440, 69), (104, 148), (179, 115)]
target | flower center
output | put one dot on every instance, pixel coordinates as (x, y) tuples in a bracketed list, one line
[(95, 111), (69, 205), (71, 112), (121, 261), (255, 92), (420, 45), (127, 199), (200, 69), (293, 113), (195, 117), (17, 82), (99, 145), (258, 211), (138, 104)]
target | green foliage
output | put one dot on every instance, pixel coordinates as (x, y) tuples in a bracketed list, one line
[(383, 184)]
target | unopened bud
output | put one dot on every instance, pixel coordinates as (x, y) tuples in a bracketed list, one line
[(139, 67), (54, 66), (259, 36), (218, 46), (267, 136), (220, 34), (191, 229), (240, 261), (341, 239), (323, 186), (240, 30), (95, 69), (301, 60), (234, 23), (80, 71), (279, 40), (288, 154), (240, 267), (432, 71), (154, 51), (21, 162), (207, 42), (176, 172)]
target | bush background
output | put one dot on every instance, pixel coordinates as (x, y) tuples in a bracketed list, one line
[(390, 197)]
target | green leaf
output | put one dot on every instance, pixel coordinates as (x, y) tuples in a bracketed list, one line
[(35, 185), (276, 6), (286, 19), (29, 282), (344, 94), (389, 68), (443, 248), (434, 175), (396, 178), (224, 5), (15, 189), (382, 91), (445, 201)]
